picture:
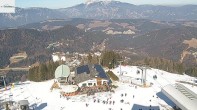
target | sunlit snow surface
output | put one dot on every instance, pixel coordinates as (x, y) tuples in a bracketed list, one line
[(40, 96)]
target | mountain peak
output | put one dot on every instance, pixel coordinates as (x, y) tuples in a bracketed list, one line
[(88, 2)]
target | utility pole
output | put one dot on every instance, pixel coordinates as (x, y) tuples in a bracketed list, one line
[(120, 62), (99, 61)]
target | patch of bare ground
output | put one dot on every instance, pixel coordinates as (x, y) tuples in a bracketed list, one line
[(95, 24), (191, 43), (18, 57)]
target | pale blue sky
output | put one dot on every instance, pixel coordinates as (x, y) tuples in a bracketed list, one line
[(68, 3)]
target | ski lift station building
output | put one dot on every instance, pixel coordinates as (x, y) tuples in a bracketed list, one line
[(183, 97), (62, 73)]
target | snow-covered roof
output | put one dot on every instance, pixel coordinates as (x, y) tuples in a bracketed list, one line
[(23, 102), (180, 97)]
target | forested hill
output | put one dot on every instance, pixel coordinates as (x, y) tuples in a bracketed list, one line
[(177, 44), (35, 42)]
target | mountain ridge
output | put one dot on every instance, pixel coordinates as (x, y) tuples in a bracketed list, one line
[(100, 10)]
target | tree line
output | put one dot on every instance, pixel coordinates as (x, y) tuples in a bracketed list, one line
[(44, 71), (164, 64), (191, 71), (167, 65), (110, 59)]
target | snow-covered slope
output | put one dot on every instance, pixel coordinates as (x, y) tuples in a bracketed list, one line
[(133, 97)]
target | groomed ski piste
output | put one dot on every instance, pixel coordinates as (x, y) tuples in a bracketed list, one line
[(126, 96)]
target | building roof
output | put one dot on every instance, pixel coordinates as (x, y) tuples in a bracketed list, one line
[(23, 102), (83, 69), (102, 73), (84, 73), (87, 72), (181, 96), (62, 71)]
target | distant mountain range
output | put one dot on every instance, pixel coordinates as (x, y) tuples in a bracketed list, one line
[(28, 15), (120, 10), (100, 10)]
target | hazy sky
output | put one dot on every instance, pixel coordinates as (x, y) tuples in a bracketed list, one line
[(69, 3)]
